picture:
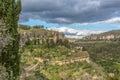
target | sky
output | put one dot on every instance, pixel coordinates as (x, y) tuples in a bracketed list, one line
[(75, 18)]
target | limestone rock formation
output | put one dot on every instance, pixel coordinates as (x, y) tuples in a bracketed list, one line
[(115, 34)]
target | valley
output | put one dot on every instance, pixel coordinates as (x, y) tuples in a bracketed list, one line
[(53, 57)]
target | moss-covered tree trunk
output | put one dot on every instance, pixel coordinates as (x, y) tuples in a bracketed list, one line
[(9, 37)]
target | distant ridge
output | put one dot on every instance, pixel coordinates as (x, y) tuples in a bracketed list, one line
[(110, 35)]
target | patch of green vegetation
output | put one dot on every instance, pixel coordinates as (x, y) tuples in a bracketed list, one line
[(73, 71), (56, 60), (106, 55)]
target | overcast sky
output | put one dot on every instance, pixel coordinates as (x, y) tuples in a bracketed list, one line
[(72, 16)]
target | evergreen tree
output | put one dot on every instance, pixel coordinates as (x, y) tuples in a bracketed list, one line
[(9, 57)]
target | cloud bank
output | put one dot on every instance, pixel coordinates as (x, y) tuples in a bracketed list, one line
[(70, 11), (73, 33)]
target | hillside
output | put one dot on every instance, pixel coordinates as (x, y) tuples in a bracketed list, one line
[(38, 35), (55, 60), (105, 54), (110, 35)]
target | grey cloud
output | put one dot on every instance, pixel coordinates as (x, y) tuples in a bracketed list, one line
[(70, 11)]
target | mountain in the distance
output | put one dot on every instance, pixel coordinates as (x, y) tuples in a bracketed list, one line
[(110, 35)]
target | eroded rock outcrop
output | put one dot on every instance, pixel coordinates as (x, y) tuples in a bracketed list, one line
[(115, 34)]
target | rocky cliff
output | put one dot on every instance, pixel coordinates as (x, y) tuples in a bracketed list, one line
[(39, 35), (115, 34)]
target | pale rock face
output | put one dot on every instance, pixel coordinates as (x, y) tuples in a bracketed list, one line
[(103, 37), (42, 36)]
